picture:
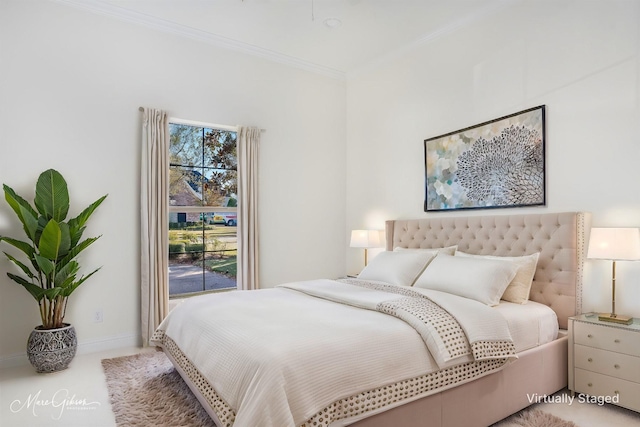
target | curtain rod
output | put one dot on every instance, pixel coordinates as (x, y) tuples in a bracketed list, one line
[(141, 109)]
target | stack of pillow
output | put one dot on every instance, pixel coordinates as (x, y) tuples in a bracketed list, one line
[(484, 278)]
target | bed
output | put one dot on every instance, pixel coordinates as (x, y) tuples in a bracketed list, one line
[(368, 352)]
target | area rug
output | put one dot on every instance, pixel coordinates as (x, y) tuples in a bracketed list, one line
[(146, 390), (534, 418)]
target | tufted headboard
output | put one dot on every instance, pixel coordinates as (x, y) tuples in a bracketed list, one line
[(559, 237)]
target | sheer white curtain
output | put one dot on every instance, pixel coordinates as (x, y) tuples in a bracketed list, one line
[(248, 144), (154, 205)]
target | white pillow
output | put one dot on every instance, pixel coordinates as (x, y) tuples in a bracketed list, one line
[(449, 250), (518, 290), (483, 280), (398, 268)]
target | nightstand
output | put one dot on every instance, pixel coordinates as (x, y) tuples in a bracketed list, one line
[(604, 360)]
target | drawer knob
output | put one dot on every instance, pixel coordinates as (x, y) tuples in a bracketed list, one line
[(590, 360), (616, 366), (616, 341)]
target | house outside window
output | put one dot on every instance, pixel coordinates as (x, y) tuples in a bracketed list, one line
[(203, 203)]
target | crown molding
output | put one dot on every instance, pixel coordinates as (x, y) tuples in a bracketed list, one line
[(137, 18), (132, 17), (463, 21)]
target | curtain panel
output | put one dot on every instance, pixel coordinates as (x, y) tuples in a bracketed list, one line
[(248, 260), (154, 217)]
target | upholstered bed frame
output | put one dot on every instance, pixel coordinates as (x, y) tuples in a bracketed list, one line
[(560, 239)]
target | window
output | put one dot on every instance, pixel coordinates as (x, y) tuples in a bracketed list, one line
[(203, 203)]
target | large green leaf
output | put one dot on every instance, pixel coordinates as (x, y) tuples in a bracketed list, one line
[(22, 266), (19, 206), (52, 195), (76, 250), (67, 284), (50, 240), (30, 222), (75, 233), (66, 291), (67, 274), (35, 291), (52, 293), (23, 246), (42, 223), (65, 239), (76, 225), (46, 266)]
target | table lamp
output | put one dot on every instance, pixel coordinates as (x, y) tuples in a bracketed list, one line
[(365, 239), (614, 244)]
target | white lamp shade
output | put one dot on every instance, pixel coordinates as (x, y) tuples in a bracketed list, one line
[(365, 239), (614, 244)]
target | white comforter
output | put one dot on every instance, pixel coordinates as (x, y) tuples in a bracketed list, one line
[(278, 356)]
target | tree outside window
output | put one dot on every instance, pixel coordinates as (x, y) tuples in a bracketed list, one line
[(203, 185)]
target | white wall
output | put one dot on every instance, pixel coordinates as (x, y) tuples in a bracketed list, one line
[(579, 58), (71, 83)]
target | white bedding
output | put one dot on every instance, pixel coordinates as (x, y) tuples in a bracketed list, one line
[(531, 324), (333, 357)]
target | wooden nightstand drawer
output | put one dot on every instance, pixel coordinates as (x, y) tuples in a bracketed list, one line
[(603, 386), (606, 362), (607, 338)]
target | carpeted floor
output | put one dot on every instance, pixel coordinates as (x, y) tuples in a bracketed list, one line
[(145, 390)]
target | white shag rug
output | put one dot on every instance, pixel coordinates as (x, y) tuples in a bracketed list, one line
[(534, 418), (146, 390)]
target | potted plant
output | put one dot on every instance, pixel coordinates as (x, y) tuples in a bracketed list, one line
[(51, 271)]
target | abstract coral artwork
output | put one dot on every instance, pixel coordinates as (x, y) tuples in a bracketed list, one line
[(495, 164)]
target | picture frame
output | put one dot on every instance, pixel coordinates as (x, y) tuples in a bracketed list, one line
[(496, 164)]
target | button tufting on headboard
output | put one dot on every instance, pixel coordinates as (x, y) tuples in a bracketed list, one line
[(559, 237)]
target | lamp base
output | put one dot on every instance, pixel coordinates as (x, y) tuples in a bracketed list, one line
[(616, 318)]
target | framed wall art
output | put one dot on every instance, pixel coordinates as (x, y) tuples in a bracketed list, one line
[(495, 164)]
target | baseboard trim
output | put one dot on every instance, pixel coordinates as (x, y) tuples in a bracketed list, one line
[(85, 347)]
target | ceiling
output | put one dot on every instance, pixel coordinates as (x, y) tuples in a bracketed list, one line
[(295, 32)]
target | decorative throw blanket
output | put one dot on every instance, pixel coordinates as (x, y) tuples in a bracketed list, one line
[(455, 329), (291, 356)]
